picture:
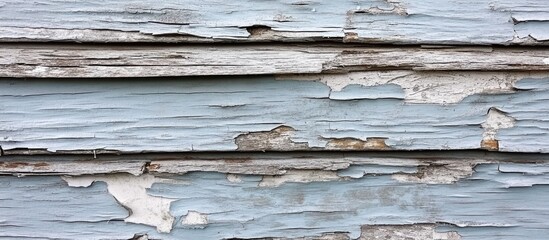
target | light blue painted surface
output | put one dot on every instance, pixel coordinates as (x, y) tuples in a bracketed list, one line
[(207, 114), (44, 207), (412, 21), (483, 206)]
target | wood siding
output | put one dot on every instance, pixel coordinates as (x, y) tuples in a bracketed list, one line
[(274, 120)]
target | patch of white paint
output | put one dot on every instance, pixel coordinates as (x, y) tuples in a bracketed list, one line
[(441, 87), (546, 60), (39, 70), (195, 220), (131, 192), (495, 120), (299, 176), (234, 178)]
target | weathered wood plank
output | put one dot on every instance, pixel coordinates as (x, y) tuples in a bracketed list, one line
[(489, 203), (402, 21), (87, 61), (272, 163), (37, 167), (507, 113)]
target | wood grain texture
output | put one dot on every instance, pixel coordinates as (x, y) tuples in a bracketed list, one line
[(373, 195), (380, 21), (103, 61), (259, 163), (261, 113), (274, 120)]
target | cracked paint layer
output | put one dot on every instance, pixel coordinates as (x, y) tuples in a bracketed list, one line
[(444, 87), (374, 205), (500, 22), (260, 113), (131, 192)]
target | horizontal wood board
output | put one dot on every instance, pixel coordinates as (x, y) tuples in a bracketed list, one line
[(448, 195), (263, 113), (501, 22), (111, 61)]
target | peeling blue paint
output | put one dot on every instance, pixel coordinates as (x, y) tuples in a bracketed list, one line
[(425, 21), (482, 206), (206, 114)]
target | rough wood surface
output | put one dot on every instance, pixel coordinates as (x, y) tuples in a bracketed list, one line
[(271, 163), (452, 195), (442, 111), (385, 21), (108, 61)]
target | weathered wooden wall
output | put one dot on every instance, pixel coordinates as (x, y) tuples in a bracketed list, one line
[(327, 120)]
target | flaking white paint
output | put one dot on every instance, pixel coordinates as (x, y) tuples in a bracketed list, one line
[(195, 220), (495, 120), (409, 22), (441, 87), (131, 192), (234, 178)]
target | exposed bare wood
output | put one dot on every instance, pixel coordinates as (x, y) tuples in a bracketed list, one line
[(34, 167), (258, 163), (77, 61)]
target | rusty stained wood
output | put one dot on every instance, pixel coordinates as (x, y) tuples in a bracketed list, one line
[(379, 21), (109, 61)]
